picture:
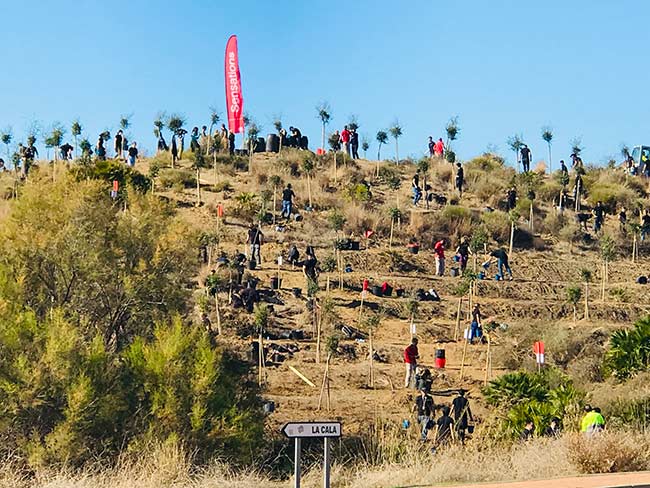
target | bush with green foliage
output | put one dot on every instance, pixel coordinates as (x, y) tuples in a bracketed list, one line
[(112, 170), (497, 225), (357, 193), (629, 350), (538, 397)]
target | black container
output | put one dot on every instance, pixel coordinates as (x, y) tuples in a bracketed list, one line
[(297, 292), (252, 263), (276, 283), (388, 291), (399, 292), (272, 143), (414, 249), (440, 354), (354, 245), (260, 145), (376, 290)]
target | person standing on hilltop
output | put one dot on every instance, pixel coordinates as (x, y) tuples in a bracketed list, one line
[(460, 178), (439, 148), (174, 150), (100, 150), (432, 147), (411, 356), (231, 143), (439, 249), (526, 156), (132, 155), (287, 201), (117, 144), (354, 143), (194, 140), (345, 140)]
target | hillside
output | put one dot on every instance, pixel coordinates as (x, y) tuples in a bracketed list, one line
[(344, 200)]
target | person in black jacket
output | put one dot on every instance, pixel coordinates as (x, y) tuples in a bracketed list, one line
[(354, 143), (460, 178)]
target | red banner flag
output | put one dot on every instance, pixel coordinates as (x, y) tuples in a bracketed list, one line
[(234, 98), (538, 350)]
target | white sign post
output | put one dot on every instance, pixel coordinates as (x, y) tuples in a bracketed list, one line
[(302, 430)]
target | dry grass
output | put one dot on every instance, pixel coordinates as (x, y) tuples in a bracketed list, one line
[(543, 458)]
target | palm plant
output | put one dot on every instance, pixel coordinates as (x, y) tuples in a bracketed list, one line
[(547, 135), (452, 130), (382, 138), (175, 124), (276, 182), (629, 350), (86, 149), (75, 130), (576, 145), (214, 120), (395, 215), (277, 124), (353, 123), (325, 115), (125, 122), (365, 145), (396, 132), (159, 124), (6, 136), (515, 143), (154, 171)]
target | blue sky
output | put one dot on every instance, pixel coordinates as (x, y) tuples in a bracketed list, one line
[(502, 67)]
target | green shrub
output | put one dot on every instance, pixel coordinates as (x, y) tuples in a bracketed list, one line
[(613, 196), (486, 162), (539, 397), (497, 225), (357, 193), (629, 350), (177, 179), (111, 170)]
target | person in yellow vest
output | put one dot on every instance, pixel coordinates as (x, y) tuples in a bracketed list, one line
[(592, 422)]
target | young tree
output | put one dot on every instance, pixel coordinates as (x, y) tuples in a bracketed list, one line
[(125, 122), (55, 138), (253, 132), (308, 168), (276, 182), (75, 130), (452, 130), (175, 124), (412, 306), (277, 123), (365, 145), (382, 138), (576, 145), (607, 253), (353, 123), (586, 274), (324, 114), (6, 136), (574, 294), (214, 120), (515, 143), (86, 150), (159, 125), (395, 215), (547, 135), (396, 133)]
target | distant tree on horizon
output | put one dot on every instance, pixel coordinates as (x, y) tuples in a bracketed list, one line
[(515, 143), (325, 115), (547, 135), (382, 138), (396, 132)]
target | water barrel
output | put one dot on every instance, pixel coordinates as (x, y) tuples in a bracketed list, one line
[(440, 358), (260, 145), (272, 143)]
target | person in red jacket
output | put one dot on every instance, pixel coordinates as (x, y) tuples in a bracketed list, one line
[(439, 148), (411, 356), (345, 140), (439, 249)]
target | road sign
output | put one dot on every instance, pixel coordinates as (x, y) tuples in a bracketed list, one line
[(300, 430), (294, 430)]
